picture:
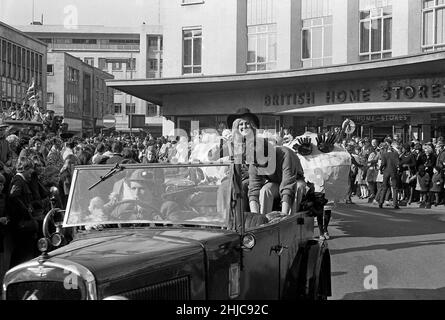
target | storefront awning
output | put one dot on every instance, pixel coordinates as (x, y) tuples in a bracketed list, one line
[(155, 90), (366, 107)]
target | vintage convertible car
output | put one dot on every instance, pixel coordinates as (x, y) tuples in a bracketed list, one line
[(191, 242)]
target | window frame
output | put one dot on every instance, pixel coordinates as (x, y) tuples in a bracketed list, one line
[(323, 27), (384, 54), (435, 46), (193, 38), (48, 95), (119, 105), (87, 59), (52, 69), (131, 106), (154, 107), (256, 35)]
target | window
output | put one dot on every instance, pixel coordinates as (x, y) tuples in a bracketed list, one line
[(102, 62), (73, 74), (153, 42), (46, 40), (375, 29), (433, 20), (131, 64), (261, 35), (130, 108), (316, 33), (152, 110), (89, 61), (118, 108), (84, 41), (116, 66), (50, 97), (50, 69), (192, 45), (123, 41), (153, 64)]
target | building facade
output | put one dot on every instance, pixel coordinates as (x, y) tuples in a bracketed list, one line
[(308, 64), (126, 53), (77, 91), (22, 60)]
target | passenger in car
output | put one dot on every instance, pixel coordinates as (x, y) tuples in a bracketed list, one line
[(243, 123), (283, 180)]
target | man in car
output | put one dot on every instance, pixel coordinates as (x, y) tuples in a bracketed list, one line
[(143, 203), (284, 183)]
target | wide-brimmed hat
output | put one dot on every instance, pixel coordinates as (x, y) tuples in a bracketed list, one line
[(243, 113)]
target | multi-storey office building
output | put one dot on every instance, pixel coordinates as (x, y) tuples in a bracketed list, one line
[(77, 91), (22, 60), (126, 53), (304, 63)]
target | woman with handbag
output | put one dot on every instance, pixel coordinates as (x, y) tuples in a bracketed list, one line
[(24, 226)]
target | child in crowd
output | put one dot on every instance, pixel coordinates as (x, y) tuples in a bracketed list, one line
[(423, 186), (437, 185)]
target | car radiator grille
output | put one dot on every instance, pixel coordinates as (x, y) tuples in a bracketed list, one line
[(41, 290), (176, 289)]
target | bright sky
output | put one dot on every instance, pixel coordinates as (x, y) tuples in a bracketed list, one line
[(89, 12)]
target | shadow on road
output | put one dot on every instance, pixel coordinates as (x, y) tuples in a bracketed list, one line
[(398, 294), (390, 246), (367, 221)]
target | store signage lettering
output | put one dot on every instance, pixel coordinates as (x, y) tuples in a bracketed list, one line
[(411, 92), (378, 118), (290, 99), (360, 95), (392, 93)]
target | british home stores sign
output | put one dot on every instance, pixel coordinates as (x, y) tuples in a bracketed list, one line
[(415, 90)]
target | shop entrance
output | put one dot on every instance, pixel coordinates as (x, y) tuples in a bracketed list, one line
[(380, 126)]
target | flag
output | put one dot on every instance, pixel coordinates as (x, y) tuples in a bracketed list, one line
[(31, 89)]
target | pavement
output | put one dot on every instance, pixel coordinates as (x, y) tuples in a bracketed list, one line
[(387, 253)]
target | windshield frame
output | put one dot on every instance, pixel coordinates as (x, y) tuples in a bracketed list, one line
[(229, 215)]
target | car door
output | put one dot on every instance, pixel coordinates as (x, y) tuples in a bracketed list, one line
[(260, 265), (293, 231)]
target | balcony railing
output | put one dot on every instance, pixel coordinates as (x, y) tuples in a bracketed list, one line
[(93, 47)]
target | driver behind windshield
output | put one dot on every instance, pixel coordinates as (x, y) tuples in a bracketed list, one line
[(142, 204)]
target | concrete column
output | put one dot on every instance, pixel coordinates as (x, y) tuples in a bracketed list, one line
[(241, 36), (406, 27), (289, 34), (345, 32)]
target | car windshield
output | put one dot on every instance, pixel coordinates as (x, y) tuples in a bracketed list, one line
[(160, 194)]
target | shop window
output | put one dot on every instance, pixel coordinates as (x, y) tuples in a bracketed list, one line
[(375, 29), (191, 51)]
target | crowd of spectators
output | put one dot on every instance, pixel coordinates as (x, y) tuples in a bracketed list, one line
[(31, 165), (416, 176)]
